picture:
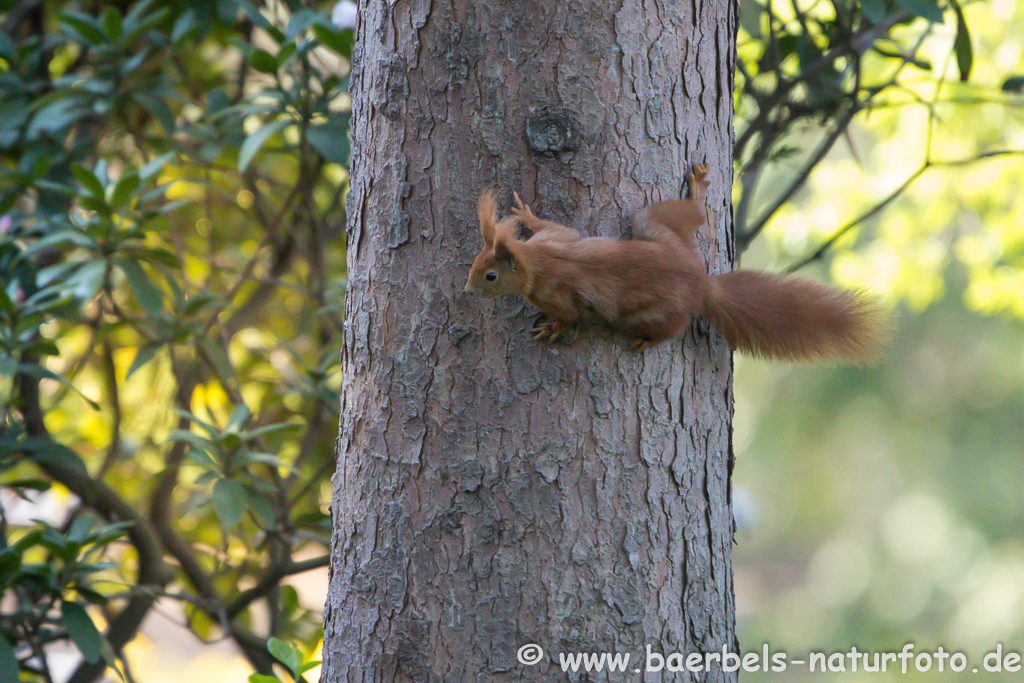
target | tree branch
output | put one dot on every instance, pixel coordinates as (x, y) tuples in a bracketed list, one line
[(153, 573)]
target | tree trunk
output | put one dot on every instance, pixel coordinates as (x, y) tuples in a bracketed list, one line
[(493, 491)]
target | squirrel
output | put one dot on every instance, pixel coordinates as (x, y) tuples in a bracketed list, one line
[(651, 286)]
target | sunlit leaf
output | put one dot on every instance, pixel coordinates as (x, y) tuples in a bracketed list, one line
[(286, 653), (255, 142), (261, 678), (144, 355)]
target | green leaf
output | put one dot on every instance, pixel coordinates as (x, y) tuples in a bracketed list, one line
[(10, 564), (103, 535), (270, 429), (339, 40), (144, 355), (217, 356), (284, 56), (229, 501), (312, 664), (87, 180), (210, 429), (300, 21), (111, 22), (8, 662), (156, 106), (185, 25), (124, 189), (8, 48), (82, 631), (260, 678), (136, 27), (154, 166), (1014, 84), (60, 238), (48, 451), (926, 9), (264, 507), (202, 458), (80, 527), (29, 484), (83, 26), (134, 16), (132, 64), (962, 44), (87, 279), (201, 301), (261, 60), (37, 370), (143, 289), (255, 142), (197, 442), (239, 414), (286, 653), (331, 138)]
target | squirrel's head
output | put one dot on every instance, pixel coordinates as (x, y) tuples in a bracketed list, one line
[(497, 269)]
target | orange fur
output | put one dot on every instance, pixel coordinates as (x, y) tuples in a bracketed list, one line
[(652, 285)]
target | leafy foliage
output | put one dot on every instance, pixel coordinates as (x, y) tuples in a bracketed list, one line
[(171, 190), (899, 83)]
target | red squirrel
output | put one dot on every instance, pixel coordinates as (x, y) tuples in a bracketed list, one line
[(652, 285)]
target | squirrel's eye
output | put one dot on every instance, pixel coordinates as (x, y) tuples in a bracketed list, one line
[(491, 276)]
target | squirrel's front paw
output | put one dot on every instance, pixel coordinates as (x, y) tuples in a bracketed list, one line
[(550, 330)]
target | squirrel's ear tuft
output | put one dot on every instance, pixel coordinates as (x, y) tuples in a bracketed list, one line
[(504, 256), (487, 210)]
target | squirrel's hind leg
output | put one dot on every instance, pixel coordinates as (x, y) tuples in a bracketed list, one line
[(641, 344)]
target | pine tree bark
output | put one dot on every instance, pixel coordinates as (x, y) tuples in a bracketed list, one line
[(493, 491)]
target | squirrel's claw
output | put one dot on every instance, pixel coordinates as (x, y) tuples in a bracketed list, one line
[(522, 211), (640, 344), (551, 330)]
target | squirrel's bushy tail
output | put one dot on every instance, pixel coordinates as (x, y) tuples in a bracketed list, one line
[(792, 318)]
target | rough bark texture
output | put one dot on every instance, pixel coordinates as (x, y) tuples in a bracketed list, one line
[(492, 491)]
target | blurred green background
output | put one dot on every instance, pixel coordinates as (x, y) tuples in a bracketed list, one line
[(884, 505)]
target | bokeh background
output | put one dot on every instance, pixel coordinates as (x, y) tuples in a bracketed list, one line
[(882, 506)]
